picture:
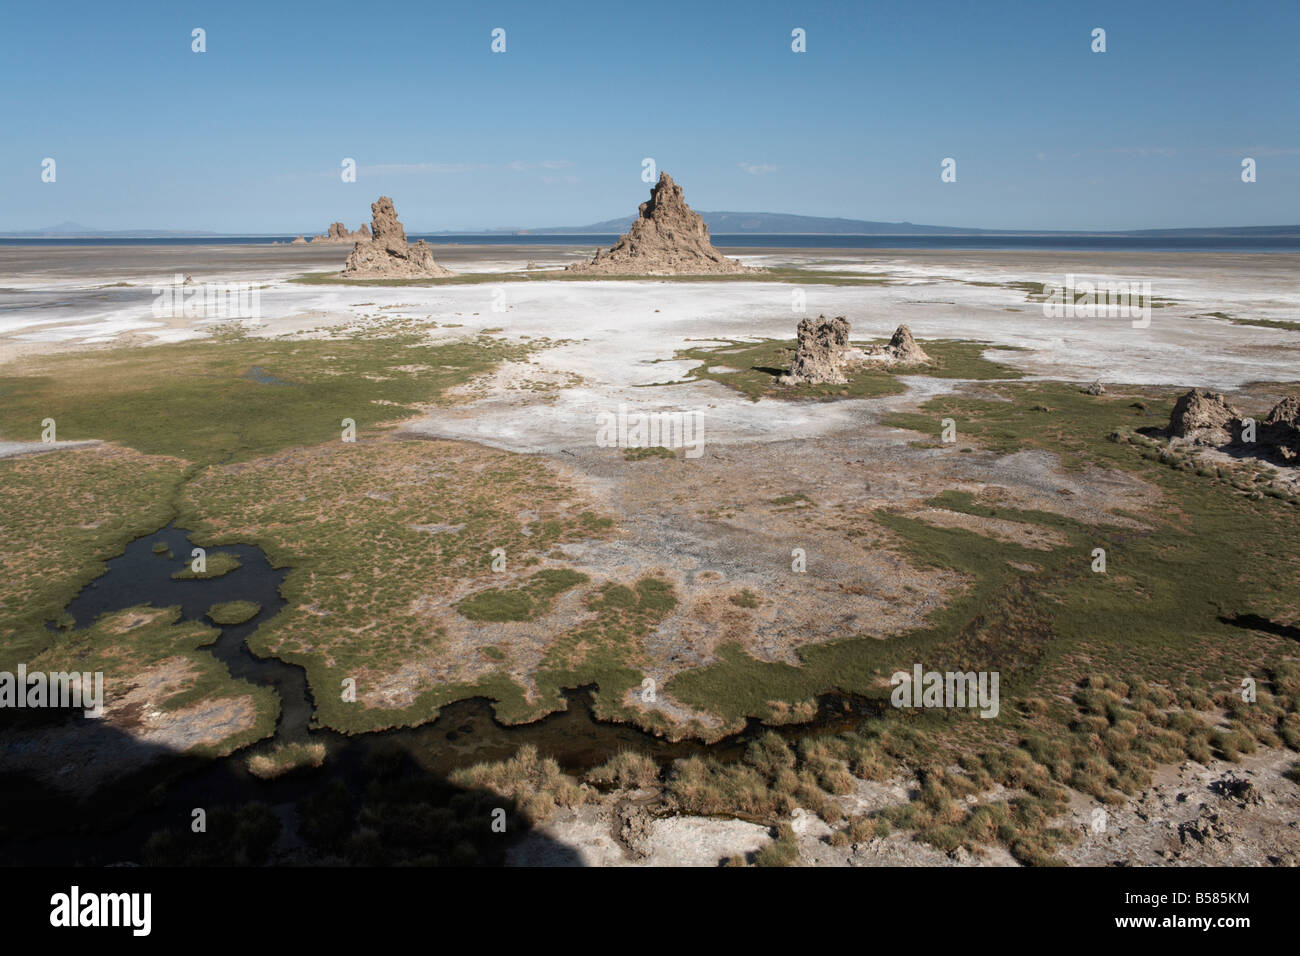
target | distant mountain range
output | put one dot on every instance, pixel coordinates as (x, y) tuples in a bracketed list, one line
[(719, 223), (75, 230)]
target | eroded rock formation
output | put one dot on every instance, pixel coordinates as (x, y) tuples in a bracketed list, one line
[(339, 233), (1280, 430), (1285, 412), (1203, 417), (904, 350), (819, 354), (901, 350), (668, 238), (387, 254), (823, 356)]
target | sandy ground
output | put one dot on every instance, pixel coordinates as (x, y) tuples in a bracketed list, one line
[(617, 337), (720, 524), (68, 295), (12, 449)]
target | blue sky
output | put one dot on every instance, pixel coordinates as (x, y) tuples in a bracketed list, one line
[(249, 136)]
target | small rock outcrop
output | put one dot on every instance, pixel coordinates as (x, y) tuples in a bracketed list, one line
[(1285, 412), (819, 354), (300, 241), (386, 254), (1203, 417), (668, 238), (904, 349), (635, 828), (822, 354), (1096, 388), (901, 350), (339, 233), (1281, 429)]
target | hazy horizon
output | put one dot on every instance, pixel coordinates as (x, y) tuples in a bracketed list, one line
[(63, 229)]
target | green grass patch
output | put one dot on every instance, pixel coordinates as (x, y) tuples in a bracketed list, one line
[(797, 499), (1052, 416), (198, 401), (1209, 555), (230, 613), (753, 368), (65, 514), (605, 649), (349, 521), (1261, 323), (650, 451), (216, 565), (527, 603), (1037, 291)]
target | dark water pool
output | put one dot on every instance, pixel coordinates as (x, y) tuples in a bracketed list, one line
[(463, 733), (143, 576)]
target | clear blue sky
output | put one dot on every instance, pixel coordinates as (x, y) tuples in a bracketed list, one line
[(248, 137)]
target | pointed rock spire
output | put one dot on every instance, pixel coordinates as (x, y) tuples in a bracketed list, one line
[(667, 238), (386, 254)]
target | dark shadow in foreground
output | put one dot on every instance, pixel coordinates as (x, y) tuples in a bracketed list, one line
[(381, 809)]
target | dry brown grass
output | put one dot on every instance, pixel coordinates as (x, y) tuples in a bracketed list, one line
[(286, 758), (627, 770), (535, 783)]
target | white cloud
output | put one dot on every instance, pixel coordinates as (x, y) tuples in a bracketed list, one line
[(1142, 151), (440, 169), (758, 169), (520, 165), (396, 169)]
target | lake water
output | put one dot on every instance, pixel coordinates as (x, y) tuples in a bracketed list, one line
[(1077, 243)]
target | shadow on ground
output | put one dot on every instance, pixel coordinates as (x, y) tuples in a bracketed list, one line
[(377, 808)]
